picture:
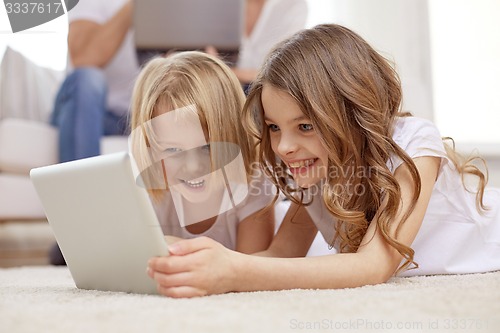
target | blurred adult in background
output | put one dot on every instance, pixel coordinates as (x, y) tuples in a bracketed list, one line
[(266, 23), (93, 100)]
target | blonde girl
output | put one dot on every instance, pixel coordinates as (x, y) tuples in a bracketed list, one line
[(186, 114), (381, 186)]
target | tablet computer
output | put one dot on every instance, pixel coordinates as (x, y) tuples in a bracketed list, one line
[(103, 221)]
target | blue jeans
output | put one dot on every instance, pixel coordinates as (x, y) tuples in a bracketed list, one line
[(81, 115)]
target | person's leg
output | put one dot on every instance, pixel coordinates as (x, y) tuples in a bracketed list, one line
[(115, 124), (79, 114)]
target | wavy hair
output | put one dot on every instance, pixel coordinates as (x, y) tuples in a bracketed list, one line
[(188, 79), (352, 96)]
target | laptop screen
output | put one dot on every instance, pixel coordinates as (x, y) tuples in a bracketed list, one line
[(164, 25)]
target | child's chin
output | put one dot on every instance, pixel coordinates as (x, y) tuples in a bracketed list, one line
[(307, 184)]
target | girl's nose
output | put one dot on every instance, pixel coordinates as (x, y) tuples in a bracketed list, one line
[(195, 162), (287, 144)]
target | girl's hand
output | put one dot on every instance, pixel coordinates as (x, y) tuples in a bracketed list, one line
[(195, 267)]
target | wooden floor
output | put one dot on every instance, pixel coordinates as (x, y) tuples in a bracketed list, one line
[(25, 243)]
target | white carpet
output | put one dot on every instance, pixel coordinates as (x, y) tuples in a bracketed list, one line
[(45, 299)]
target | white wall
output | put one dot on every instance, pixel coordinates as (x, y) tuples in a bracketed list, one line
[(448, 55), (465, 44), (398, 30), (45, 44), (320, 11)]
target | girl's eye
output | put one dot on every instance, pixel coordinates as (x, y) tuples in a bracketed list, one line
[(273, 127), (205, 148), (306, 127), (172, 150)]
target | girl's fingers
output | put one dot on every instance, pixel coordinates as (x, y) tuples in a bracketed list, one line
[(181, 263), (180, 285), (169, 265), (181, 292), (172, 280), (194, 269), (187, 246)]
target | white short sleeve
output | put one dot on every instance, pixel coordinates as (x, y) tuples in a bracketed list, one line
[(417, 137), (278, 20)]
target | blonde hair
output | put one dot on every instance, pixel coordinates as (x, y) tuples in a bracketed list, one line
[(351, 95), (182, 80)]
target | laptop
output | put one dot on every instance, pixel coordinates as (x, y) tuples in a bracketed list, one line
[(103, 221), (164, 25)]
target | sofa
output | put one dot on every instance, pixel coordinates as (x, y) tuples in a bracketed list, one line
[(27, 140)]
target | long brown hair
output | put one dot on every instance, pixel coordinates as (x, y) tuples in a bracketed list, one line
[(352, 96)]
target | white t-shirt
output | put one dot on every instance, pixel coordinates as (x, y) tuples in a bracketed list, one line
[(454, 238), (278, 20), (123, 69), (260, 194)]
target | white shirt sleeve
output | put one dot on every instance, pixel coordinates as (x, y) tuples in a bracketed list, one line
[(417, 137), (278, 20), (98, 11)]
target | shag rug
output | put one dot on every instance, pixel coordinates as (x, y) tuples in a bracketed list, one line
[(45, 299)]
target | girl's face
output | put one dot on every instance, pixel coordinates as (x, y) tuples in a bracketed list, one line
[(293, 138), (186, 155)]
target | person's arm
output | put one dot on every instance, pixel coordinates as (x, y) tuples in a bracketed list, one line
[(255, 232), (293, 239), (295, 235), (201, 266), (375, 262), (93, 44)]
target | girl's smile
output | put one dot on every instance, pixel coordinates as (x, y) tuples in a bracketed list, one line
[(193, 184), (302, 166)]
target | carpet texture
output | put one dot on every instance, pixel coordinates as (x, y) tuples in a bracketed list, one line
[(45, 299)]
